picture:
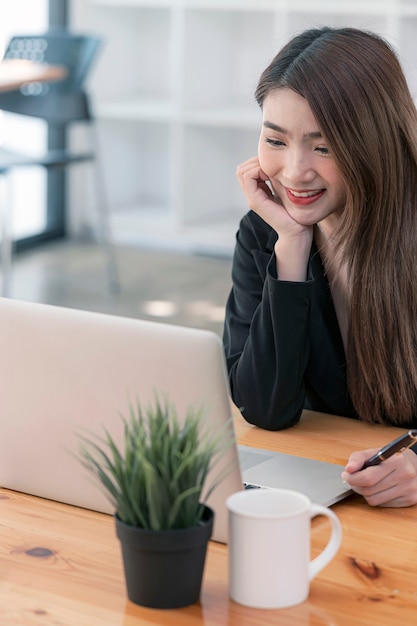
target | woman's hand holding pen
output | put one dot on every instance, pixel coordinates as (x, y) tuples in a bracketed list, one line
[(392, 483)]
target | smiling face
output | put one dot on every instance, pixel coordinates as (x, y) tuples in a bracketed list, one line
[(298, 161)]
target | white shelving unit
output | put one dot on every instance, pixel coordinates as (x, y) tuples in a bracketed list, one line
[(174, 95)]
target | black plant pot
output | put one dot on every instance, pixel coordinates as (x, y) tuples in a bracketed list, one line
[(164, 569)]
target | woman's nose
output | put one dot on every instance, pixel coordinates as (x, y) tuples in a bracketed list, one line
[(298, 168)]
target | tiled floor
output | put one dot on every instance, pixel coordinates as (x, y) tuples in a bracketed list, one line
[(168, 287)]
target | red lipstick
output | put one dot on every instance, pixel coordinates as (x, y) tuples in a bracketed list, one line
[(313, 196)]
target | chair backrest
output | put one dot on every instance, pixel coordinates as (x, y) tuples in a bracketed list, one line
[(57, 102)]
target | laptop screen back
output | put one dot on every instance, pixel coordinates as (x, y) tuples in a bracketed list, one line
[(64, 372)]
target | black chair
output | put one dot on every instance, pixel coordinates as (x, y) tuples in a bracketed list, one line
[(61, 104)]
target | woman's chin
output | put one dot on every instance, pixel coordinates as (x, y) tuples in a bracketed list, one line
[(304, 220)]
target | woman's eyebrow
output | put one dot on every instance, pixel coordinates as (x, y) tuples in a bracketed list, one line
[(315, 134), (273, 126)]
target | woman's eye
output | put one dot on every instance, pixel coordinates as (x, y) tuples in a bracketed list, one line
[(323, 150), (274, 142)]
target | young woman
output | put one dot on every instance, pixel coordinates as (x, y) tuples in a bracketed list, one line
[(323, 308)]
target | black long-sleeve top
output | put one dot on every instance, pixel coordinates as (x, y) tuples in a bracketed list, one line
[(283, 346)]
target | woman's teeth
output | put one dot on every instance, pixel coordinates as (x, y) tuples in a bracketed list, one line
[(305, 194)]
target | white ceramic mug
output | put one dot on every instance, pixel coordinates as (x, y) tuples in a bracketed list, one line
[(269, 547)]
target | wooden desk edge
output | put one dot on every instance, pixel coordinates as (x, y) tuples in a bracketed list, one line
[(318, 436)]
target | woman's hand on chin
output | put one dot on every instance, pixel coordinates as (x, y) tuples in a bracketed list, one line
[(265, 202)]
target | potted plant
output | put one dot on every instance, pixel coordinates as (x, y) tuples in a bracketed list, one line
[(157, 483)]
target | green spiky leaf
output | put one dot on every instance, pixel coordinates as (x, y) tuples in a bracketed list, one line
[(158, 480)]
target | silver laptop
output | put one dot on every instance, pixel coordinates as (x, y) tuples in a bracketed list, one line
[(64, 372)]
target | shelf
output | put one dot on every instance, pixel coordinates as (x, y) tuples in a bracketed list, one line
[(347, 7), (342, 7), (120, 4), (174, 94), (217, 5), (140, 109), (231, 117), (230, 71), (236, 5), (126, 71), (161, 111), (152, 227)]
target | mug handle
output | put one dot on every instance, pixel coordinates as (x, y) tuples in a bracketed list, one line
[(333, 545)]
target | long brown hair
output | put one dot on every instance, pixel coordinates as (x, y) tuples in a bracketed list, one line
[(358, 93)]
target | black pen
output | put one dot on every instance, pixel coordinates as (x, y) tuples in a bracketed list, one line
[(393, 447)]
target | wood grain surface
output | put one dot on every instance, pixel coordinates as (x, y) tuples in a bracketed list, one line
[(61, 565)]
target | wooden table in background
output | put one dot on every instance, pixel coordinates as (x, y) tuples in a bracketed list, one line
[(16, 72), (62, 565)]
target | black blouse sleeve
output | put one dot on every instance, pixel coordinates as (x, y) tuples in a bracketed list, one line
[(266, 332)]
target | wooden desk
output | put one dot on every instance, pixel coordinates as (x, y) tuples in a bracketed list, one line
[(16, 72), (62, 565)]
